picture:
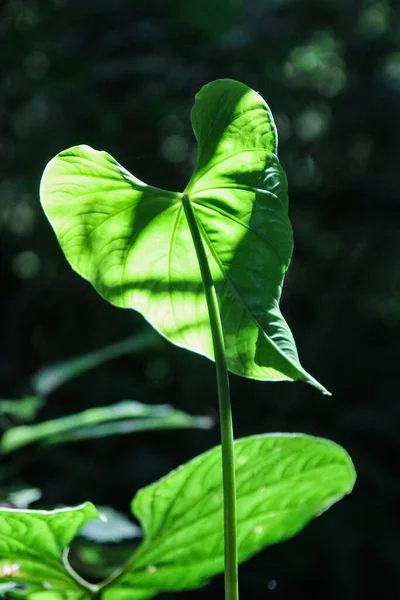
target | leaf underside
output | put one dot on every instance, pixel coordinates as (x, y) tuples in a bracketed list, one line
[(283, 481), (132, 241)]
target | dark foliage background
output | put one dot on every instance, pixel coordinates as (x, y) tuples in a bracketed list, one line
[(121, 76)]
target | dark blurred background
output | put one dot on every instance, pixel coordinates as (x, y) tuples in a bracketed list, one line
[(121, 76)]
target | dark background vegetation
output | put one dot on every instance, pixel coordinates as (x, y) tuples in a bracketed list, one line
[(121, 76)]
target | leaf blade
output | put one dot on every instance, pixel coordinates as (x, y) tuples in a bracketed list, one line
[(132, 241), (241, 202), (283, 481), (124, 417), (49, 378), (31, 546), (148, 273)]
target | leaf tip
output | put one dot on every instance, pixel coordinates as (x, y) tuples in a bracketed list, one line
[(317, 385)]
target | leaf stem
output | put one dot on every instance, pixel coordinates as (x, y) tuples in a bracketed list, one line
[(90, 588), (225, 410)]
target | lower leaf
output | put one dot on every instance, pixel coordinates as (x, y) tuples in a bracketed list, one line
[(283, 481), (31, 547)]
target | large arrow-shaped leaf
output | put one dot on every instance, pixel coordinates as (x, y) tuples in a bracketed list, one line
[(283, 481), (132, 241)]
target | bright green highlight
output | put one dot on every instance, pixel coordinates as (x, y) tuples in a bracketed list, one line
[(124, 417), (283, 481), (133, 243), (31, 548)]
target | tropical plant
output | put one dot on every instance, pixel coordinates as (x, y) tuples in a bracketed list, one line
[(205, 267)]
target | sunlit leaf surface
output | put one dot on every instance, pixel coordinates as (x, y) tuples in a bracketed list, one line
[(31, 547), (283, 481), (132, 241)]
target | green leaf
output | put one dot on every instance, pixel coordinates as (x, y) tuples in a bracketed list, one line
[(24, 409), (283, 481), (132, 241), (48, 379), (124, 417), (31, 548)]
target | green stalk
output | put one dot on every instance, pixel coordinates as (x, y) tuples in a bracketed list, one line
[(225, 410), (90, 589)]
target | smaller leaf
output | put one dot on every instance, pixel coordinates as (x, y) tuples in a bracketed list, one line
[(48, 379), (31, 547), (283, 481), (124, 417)]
